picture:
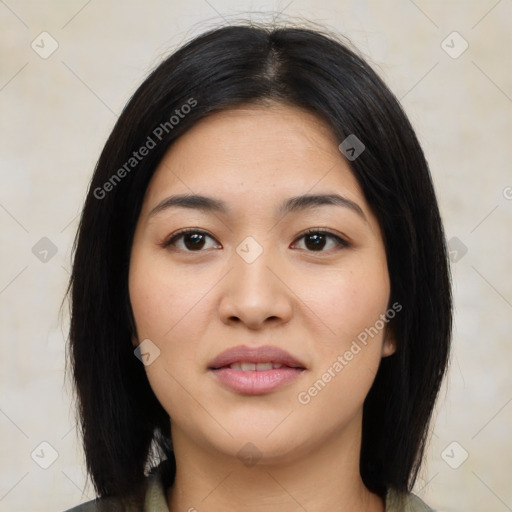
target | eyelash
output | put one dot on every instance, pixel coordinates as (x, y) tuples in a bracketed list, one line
[(342, 243)]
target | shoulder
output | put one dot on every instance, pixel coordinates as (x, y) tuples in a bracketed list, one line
[(154, 499), (104, 505), (396, 502)]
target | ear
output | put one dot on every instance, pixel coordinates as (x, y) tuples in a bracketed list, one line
[(135, 342), (389, 343)]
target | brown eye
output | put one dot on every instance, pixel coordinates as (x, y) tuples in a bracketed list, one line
[(316, 240), (193, 240)]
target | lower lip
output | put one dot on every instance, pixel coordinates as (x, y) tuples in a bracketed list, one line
[(256, 382)]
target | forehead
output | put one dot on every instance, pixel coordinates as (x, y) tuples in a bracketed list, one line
[(253, 152)]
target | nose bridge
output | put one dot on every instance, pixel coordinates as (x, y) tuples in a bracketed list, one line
[(252, 259), (254, 292)]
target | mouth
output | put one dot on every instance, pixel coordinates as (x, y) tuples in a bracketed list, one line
[(255, 371), (258, 367)]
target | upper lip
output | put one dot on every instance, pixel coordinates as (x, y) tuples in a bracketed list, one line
[(262, 354)]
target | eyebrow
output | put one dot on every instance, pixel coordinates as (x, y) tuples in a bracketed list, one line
[(292, 204)]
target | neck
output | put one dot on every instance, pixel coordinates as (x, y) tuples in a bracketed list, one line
[(326, 478)]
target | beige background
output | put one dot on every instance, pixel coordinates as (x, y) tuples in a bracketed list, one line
[(56, 114)]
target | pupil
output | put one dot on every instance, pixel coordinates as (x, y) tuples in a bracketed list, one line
[(318, 238), (197, 243)]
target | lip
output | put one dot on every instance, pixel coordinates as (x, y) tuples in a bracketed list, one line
[(260, 354), (255, 382)]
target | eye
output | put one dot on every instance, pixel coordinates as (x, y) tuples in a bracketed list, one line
[(316, 239), (193, 240)]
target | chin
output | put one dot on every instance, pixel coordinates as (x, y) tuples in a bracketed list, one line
[(255, 445)]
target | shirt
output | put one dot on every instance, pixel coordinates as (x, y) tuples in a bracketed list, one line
[(155, 500)]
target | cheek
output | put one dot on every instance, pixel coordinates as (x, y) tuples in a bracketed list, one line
[(164, 299), (352, 303), (350, 300), (167, 310), (170, 308), (348, 360)]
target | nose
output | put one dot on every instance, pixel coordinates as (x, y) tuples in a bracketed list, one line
[(256, 293)]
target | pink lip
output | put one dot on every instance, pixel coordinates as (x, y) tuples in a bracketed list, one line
[(263, 354), (255, 382)]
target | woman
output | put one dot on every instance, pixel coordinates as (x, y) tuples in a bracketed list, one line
[(260, 295)]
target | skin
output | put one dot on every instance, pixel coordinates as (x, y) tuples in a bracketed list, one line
[(195, 303)]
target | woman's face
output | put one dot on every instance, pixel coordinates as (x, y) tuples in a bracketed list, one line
[(247, 277)]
